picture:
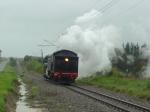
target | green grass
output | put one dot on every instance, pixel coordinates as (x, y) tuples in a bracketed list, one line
[(119, 83), (34, 65), (7, 77), (33, 93)]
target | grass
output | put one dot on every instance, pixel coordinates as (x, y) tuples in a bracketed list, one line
[(7, 77), (33, 93), (119, 83), (34, 65)]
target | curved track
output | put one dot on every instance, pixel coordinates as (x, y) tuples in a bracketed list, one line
[(117, 104)]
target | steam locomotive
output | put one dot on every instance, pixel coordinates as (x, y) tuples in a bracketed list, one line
[(61, 66)]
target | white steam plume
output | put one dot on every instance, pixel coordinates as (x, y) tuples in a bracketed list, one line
[(94, 43), (146, 55)]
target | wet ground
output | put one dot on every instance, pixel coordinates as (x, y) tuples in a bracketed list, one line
[(22, 105)]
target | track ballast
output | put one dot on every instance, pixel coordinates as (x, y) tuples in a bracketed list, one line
[(115, 103)]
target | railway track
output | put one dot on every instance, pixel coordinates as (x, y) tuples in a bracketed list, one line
[(115, 103)]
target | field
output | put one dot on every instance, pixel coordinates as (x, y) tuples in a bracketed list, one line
[(7, 77), (117, 82)]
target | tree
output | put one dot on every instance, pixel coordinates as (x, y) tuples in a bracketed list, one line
[(131, 60)]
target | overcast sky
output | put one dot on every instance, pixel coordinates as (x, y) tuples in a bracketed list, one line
[(26, 23)]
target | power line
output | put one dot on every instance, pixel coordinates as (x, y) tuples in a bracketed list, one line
[(97, 2), (134, 6), (108, 6), (49, 43), (44, 45), (92, 7), (129, 8)]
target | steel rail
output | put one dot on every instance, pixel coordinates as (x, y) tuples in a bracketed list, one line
[(135, 106), (100, 100)]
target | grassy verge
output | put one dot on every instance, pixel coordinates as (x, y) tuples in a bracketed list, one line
[(7, 77), (34, 65), (118, 83)]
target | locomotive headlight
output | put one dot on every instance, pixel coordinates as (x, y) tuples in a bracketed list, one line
[(66, 59)]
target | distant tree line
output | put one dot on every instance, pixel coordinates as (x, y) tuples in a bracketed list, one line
[(29, 58), (33, 63), (130, 59)]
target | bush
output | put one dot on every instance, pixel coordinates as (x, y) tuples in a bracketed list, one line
[(12, 62), (33, 64)]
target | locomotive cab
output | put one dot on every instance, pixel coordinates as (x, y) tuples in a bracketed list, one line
[(62, 66)]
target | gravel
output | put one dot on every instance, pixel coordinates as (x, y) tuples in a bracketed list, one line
[(57, 98)]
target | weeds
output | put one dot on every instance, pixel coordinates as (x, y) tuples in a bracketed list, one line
[(33, 92), (34, 65)]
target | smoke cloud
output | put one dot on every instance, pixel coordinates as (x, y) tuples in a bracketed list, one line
[(146, 55), (93, 42)]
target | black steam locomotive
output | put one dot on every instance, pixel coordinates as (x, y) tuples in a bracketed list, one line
[(61, 66)]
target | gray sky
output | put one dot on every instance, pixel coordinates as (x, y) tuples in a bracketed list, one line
[(26, 23)]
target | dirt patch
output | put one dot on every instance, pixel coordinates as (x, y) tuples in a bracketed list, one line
[(12, 98)]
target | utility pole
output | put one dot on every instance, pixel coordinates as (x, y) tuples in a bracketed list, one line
[(42, 55), (48, 44)]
